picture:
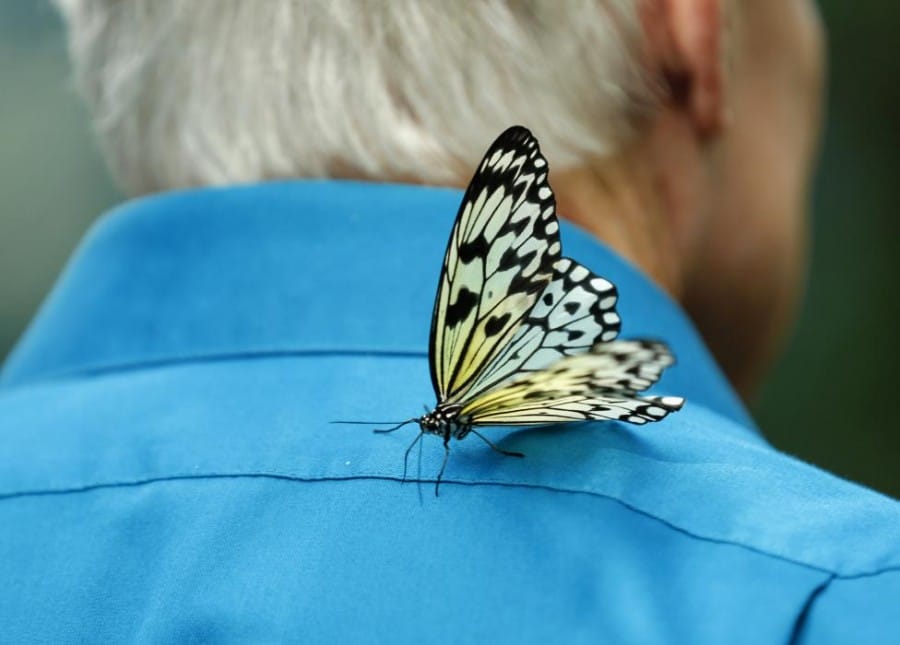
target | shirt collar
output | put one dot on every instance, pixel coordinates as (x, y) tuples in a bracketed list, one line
[(296, 267)]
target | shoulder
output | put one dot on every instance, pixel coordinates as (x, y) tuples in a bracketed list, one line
[(598, 523), (698, 473), (693, 471)]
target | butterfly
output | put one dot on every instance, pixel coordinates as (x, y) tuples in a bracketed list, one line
[(519, 334)]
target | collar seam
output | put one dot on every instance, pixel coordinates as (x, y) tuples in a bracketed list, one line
[(125, 367)]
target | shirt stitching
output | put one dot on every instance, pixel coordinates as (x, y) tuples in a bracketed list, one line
[(298, 478)]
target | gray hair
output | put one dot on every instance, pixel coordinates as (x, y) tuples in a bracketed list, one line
[(196, 92)]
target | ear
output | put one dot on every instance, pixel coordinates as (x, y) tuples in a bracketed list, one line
[(684, 44)]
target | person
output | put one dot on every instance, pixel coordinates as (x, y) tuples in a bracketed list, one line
[(170, 472)]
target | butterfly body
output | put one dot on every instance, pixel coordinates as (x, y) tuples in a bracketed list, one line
[(444, 421), (521, 335)]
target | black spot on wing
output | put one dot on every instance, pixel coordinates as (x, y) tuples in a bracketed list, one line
[(476, 248), (517, 227), (508, 260), (525, 260), (462, 308), (495, 324), (521, 284)]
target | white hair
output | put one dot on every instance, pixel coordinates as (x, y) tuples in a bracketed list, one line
[(194, 92)]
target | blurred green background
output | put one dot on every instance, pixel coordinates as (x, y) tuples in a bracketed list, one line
[(830, 400)]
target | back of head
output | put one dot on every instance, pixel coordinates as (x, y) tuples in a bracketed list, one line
[(194, 93)]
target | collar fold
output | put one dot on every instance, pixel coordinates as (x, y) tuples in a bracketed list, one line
[(296, 267)]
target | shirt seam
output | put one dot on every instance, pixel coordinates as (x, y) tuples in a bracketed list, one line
[(298, 478)]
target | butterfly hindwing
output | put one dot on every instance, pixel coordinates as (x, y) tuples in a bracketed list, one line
[(574, 312), (500, 257), (600, 384)]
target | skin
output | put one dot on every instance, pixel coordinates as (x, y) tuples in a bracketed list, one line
[(711, 199)]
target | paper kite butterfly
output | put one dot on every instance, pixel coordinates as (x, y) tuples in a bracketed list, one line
[(521, 335)]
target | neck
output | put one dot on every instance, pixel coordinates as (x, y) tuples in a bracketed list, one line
[(616, 212), (640, 203)]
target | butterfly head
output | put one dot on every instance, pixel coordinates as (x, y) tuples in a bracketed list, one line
[(445, 422)]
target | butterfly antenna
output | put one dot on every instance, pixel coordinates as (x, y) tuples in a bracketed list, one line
[(371, 423), (396, 427), (496, 448)]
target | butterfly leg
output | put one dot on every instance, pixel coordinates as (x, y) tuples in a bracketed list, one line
[(443, 465), (406, 454), (508, 453)]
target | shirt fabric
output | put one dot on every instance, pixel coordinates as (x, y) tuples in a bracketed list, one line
[(169, 472)]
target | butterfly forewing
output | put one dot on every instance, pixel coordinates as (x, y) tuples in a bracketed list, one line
[(499, 259), (600, 384)]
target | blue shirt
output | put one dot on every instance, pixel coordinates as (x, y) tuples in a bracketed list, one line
[(169, 472)]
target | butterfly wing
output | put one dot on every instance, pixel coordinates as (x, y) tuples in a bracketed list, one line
[(600, 384), (520, 335), (574, 312), (500, 257)]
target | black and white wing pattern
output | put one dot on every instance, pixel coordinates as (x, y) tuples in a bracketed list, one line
[(601, 384), (500, 258)]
